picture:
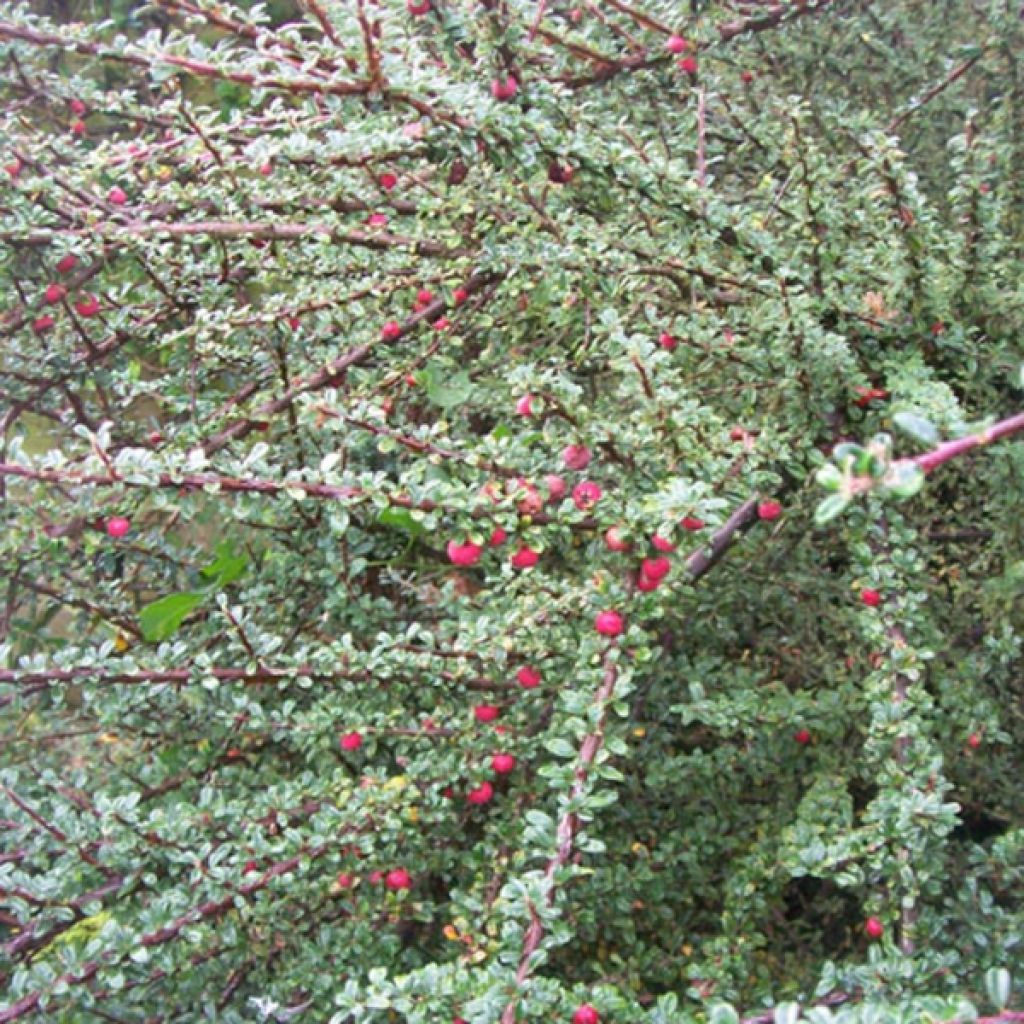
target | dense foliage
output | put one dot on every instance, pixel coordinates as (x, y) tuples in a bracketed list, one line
[(337, 336)]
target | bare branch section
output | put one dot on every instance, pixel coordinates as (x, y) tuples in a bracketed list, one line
[(201, 69), (951, 449), (771, 18), (958, 72), (379, 240)]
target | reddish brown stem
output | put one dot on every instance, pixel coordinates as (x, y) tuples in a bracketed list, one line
[(951, 449)]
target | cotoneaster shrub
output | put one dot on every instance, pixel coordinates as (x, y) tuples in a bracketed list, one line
[(414, 419)]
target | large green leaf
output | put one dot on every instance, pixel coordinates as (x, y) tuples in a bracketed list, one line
[(160, 619)]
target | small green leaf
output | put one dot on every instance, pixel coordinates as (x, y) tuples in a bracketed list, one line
[(560, 747), (917, 427), (227, 567), (819, 1015), (787, 1013), (161, 618), (400, 519), (997, 985), (448, 391), (869, 464), (829, 477), (723, 1013), (846, 453), (904, 480), (831, 507)]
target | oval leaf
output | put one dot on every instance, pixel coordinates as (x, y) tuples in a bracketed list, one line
[(161, 619), (917, 427)]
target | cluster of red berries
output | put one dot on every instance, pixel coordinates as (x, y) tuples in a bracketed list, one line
[(55, 294)]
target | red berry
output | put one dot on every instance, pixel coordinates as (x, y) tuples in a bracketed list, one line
[(13, 168), (525, 558), (662, 544), (531, 502), (586, 1014), (692, 523), (529, 678), (646, 583), (417, 10), (266, 169), (117, 196), (615, 541), (464, 554), (78, 108), (747, 77), (54, 293), (675, 44), (523, 406), (503, 763), (655, 569), (486, 712), (377, 220), (802, 736), (387, 181), (67, 263), (459, 296), (424, 297), (250, 866), (42, 324), (155, 437), (873, 928), (560, 174), (575, 456), (351, 741), (374, 877), (872, 598), (769, 510), (345, 880), (556, 487), (666, 341), (88, 305), (737, 434), (689, 65), (441, 324), (397, 879), (391, 331), (586, 495), (118, 526), (481, 795), (504, 90), (609, 623), (498, 537), (78, 128), (974, 740)]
